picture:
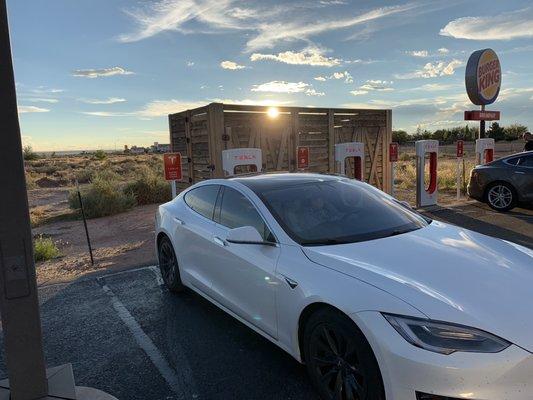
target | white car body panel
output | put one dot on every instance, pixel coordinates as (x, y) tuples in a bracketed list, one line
[(440, 272)]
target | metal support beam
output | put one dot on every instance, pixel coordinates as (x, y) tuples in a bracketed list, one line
[(19, 304)]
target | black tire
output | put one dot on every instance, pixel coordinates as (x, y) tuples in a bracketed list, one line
[(168, 265), (501, 196), (339, 359)]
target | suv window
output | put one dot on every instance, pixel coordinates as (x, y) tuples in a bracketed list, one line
[(236, 211), (202, 199)]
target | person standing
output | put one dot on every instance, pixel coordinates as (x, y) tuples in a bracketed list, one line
[(528, 137)]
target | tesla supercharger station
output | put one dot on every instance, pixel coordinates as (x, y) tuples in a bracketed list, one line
[(484, 151), (233, 158), (351, 149), (426, 192)]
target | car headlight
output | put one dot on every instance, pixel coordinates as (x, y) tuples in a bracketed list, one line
[(445, 338)]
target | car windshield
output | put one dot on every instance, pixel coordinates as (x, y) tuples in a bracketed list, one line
[(338, 211)]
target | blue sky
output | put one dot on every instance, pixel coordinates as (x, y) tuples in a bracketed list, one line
[(104, 73)]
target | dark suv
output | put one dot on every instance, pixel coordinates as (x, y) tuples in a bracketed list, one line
[(504, 183)]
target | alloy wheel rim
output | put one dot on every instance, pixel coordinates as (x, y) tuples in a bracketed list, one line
[(167, 262), (500, 196), (336, 363)]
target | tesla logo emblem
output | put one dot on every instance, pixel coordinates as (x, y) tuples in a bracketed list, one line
[(172, 162)]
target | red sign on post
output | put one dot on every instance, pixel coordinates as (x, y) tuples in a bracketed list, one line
[(460, 148), (478, 115), (172, 163), (393, 152), (303, 157)]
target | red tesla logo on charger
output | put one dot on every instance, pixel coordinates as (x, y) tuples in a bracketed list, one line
[(303, 157), (172, 163)]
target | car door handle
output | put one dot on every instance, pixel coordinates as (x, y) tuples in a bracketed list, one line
[(179, 221), (220, 241), (520, 172)]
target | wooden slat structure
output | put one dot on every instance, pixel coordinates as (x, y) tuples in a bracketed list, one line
[(201, 134)]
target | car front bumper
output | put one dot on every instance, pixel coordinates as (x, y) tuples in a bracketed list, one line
[(406, 369)]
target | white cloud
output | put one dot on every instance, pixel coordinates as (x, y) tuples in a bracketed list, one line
[(109, 100), (268, 25), (42, 100), (287, 87), (272, 33), (156, 108), (333, 2), (96, 73), (359, 92), (231, 65), (501, 26), (190, 63), (310, 56), (433, 70), (281, 87), (443, 50), (348, 78), (313, 92), (378, 85), (31, 109), (418, 53)]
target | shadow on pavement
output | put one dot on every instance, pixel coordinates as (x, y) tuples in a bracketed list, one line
[(458, 217)]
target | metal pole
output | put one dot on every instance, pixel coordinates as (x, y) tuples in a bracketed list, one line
[(459, 178), (393, 173), (174, 189), (18, 286), (482, 125), (85, 223)]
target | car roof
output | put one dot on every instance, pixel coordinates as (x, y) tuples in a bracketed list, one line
[(262, 182)]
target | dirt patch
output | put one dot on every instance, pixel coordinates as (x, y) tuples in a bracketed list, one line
[(119, 241)]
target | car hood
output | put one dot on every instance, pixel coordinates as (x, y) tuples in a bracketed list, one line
[(449, 274)]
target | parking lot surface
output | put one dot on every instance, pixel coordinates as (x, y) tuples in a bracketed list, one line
[(126, 334)]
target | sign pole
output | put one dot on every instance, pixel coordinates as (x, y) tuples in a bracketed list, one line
[(173, 188), (482, 125), (19, 304), (459, 155), (394, 149)]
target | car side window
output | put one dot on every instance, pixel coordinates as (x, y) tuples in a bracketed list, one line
[(236, 211), (513, 161), (526, 161), (202, 199)]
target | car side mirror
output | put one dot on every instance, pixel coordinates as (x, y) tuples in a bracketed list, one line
[(246, 235)]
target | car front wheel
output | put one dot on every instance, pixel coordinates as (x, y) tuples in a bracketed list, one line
[(501, 196), (339, 359), (168, 265)]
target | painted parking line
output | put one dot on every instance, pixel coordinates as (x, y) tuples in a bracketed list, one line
[(182, 383)]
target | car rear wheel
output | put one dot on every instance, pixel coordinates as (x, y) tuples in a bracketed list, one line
[(168, 265), (339, 360), (501, 196)]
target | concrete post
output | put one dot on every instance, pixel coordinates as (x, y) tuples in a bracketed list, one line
[(18, 287)]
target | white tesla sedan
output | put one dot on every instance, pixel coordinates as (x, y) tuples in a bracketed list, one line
[(378, 301)]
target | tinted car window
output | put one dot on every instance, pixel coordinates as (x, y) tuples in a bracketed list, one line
[(513, 161), (338, 211), (202, 199), (236, 211), (526, 161)]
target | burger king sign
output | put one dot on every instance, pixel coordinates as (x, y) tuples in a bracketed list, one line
[(483, 77)]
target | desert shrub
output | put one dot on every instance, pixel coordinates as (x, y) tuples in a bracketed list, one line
[(102, 197), (406, 157), (84, 175), (29, 154), (45, 249), (149, 187), (31, 180), (100, 155)]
